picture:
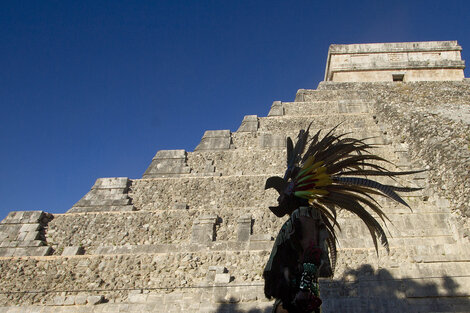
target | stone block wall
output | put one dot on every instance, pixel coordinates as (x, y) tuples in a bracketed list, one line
[(107, 194)]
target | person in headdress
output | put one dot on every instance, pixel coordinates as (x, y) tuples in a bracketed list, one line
[(322, 176)]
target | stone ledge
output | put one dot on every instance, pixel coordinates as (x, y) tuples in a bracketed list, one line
[(444, 64), (99, 208), (73, 251), (421, 46), (111, 183), (109, 193), (249, 124), (215, 140), (28, 251), (256, 245), (168, 163), (277, 109), (23, 217)]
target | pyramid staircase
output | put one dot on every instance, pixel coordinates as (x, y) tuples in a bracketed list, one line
[(194, 234)]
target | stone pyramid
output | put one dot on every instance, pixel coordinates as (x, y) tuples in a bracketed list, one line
[(194, 233)]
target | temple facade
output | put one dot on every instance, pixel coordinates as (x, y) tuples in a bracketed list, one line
[(403, 61)]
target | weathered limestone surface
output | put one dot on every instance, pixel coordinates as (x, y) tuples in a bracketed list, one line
[(243, 161), (194, 233), (115, 276), (218, 192)]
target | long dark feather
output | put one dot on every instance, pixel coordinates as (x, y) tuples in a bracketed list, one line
[(341, 151), (378, 173), (385, 189), (370, 204), (333, 252), (404, 189), (331, 228), (315, 147), (358, 189), (354, 161), (327, 214)]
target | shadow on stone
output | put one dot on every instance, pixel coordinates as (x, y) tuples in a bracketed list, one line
[(366, 289), (237, 308)]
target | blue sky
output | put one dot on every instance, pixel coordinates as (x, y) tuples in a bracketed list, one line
[(93, 89)]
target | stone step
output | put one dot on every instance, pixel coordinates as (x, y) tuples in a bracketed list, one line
[(236, 162), (304, 95), (120, 278), (274, 139), (439, 88), (355, 230), (349, 258), (106, 194), (25, 251), (25, 217), (92, 230), (252, 161), (212, 299), (22, 234), (245, 299), (320, 107), (255, 245), (392, 295), (362, 241), (251, 151), (103, 208), (257, 155), (349, 123), (433, 270), (222, 192), (416, 203), (224, 224), (115, 276), (177, 226)]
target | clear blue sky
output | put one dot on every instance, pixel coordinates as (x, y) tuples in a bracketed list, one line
[(93, 89)]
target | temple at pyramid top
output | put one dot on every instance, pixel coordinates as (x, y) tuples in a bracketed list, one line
[(403, 61)]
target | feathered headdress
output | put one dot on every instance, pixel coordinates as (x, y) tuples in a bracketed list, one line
[(330, 174)]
